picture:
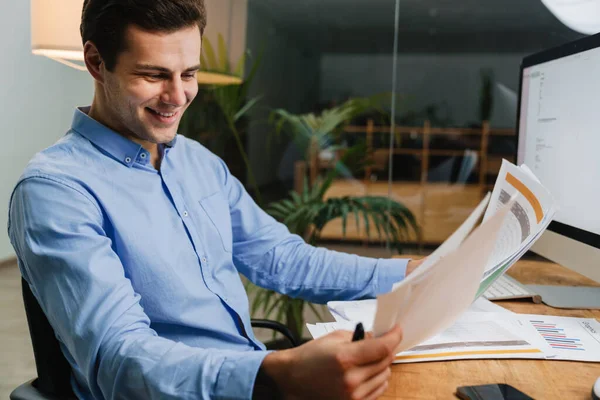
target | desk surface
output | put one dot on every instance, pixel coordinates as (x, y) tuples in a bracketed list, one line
[(540, 379)]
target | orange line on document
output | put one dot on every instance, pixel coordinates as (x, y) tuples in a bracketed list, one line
[(467, 353), (520, 186)]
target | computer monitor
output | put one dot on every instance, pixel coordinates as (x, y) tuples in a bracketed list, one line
[(558, 127)]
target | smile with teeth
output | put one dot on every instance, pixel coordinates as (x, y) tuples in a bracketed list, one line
[(166, 115)]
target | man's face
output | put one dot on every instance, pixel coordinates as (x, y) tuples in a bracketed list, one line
[(153, 83)]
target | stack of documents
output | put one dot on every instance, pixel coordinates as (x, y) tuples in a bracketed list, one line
[(432, 298), (480, 334)]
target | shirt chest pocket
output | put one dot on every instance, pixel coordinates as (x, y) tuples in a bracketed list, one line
[(216, 208)]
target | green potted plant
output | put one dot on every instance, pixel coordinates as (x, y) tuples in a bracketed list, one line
[(308, 212)]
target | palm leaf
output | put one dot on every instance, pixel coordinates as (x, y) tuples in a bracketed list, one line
[(356, 211), (241, 64), (295, 198), (204, 62), (212, 64), (344, 211), (279, 299), (246, 108), (223, 64)]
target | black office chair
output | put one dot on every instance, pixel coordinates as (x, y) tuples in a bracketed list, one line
[(54, 372)]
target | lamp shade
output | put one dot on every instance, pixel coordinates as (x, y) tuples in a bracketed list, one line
[(581, 16), (55, 29)]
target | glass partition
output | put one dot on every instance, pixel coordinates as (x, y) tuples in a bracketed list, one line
[(458, 76)]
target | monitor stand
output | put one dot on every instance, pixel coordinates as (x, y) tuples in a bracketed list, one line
[(584, 297)]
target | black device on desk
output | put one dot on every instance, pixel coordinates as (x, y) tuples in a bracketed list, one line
[(497, 391)]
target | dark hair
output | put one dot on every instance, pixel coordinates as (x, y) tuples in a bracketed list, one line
[(104, 21)]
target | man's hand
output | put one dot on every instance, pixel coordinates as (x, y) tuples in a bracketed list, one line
[(333, 367), (412, 265)]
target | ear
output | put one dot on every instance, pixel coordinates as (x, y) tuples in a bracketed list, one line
[(93, 61)]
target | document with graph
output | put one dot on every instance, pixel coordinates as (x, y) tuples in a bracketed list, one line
[(530, 215), (565, 338), (458, 272), (490, 335)]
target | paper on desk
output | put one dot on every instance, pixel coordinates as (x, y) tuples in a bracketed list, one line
[(500, 335), (565, 338), (473, 335), (426, 303), (364, 310)]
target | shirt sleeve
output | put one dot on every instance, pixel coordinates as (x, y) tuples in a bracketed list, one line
[(58, 232), (271, 257)]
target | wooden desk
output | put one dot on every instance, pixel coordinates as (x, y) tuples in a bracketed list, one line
[(540, 379)]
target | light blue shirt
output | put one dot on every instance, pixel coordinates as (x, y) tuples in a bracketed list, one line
[(138, 270)]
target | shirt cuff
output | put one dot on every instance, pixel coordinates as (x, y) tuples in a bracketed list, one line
[(237, 375), (390, 271)]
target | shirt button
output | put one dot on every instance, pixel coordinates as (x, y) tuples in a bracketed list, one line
[(185, 213), (127, 160), (203, 259), (143, 155)]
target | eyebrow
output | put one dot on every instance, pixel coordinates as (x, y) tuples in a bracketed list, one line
[(150, 67)]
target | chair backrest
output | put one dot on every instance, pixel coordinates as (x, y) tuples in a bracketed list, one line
[(54, 371)]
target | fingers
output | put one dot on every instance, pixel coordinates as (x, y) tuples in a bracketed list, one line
[(374, 350), (371, 384), (378, 392), (337, 336)]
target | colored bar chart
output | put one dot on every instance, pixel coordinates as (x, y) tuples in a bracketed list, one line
[(556, 336)]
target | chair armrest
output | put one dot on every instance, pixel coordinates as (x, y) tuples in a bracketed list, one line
[(29, 391), (276, 326)]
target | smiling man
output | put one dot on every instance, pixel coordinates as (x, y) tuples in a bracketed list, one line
[(132, 239)]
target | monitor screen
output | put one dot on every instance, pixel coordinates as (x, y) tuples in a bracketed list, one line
[(559, 133)]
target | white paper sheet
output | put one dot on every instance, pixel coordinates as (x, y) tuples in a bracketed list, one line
[(530, 214), (488, 335), (425, 304), (455, 240), (364, 310), (565, 338), (474, 336)]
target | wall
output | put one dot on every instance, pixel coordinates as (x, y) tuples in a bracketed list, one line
[(288, 77), (37, 99), (228, 18), (424, 79)]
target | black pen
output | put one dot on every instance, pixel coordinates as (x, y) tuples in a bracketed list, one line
[(359, 332)]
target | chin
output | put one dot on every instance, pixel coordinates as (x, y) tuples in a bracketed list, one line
[(162, 137)]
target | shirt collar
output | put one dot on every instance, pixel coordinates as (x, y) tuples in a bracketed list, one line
[(122, 149)]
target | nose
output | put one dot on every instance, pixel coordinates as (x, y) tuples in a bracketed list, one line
[(174, 93)]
